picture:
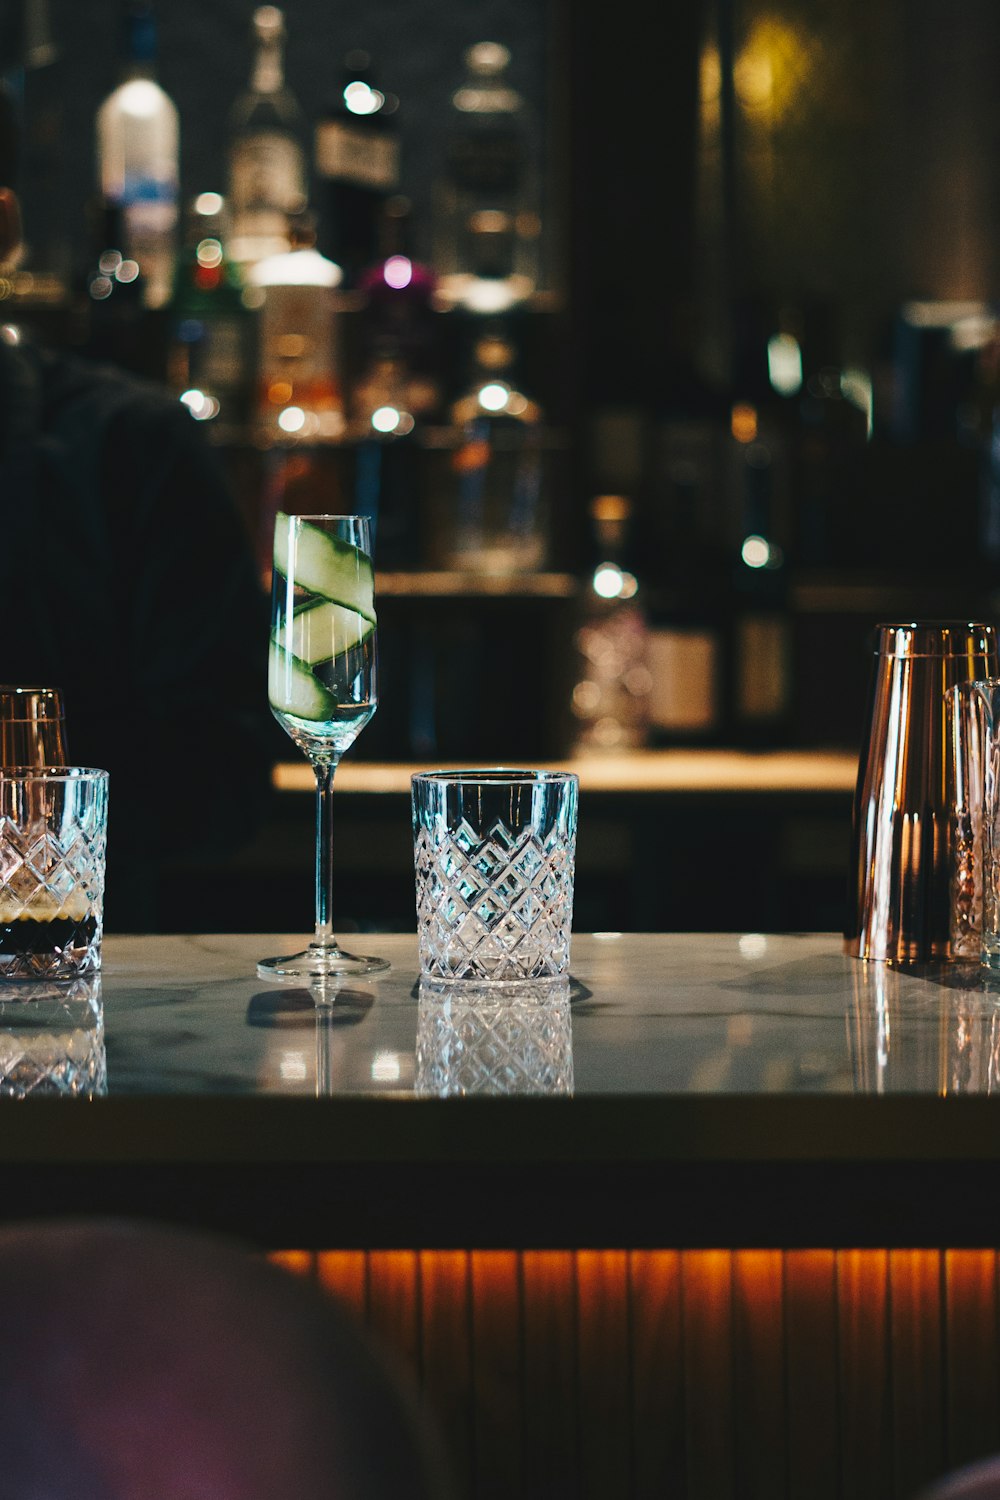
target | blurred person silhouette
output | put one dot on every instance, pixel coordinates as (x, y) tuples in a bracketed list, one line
[(142, 1362), (978, 1480), (128, 580)]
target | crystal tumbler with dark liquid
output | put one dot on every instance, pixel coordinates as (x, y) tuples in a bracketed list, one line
[(53, 834)]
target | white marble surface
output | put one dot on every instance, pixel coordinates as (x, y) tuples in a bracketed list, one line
[(648, 1015)]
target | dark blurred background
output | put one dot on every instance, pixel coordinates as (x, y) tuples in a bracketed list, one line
[(762, 321)]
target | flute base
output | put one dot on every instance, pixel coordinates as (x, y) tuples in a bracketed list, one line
[(320, 961)]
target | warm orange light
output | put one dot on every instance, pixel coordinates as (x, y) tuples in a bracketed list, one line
[(764, 1363), (471, 456), (279, 392), (775, 68), (743, 422)]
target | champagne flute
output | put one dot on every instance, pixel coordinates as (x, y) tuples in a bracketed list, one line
[(323, 688)]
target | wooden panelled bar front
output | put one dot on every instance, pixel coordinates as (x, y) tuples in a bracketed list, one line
[(753, 1253), (750, 1373)]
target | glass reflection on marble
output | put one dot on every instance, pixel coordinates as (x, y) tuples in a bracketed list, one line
[(968, 720), (472, 1040), (52, 1039), (948, 1043), (309, 1054)]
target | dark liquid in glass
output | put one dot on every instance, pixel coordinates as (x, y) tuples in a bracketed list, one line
[(45, 935)]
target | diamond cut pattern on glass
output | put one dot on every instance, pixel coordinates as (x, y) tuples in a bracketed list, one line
[(481, 1045), (72, 1062), (52, 1040), (518, 928), (51, 888)]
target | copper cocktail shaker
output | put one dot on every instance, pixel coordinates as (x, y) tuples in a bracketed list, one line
[(32, 727), (903, 846)]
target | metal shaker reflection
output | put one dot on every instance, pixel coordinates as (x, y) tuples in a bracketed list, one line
[(52, 1039), (905, 829), (946, 1041), (477, 1042)]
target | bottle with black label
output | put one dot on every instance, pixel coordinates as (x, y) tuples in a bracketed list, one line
[(112, 322), (487, 237), (399, 305), (689, 592), (356, 162)]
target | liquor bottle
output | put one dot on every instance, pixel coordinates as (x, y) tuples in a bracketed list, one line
[(267, 165), (299, 391), (761, 664), (211, 355), (385, 421), (396, 392), (356, 161), (611, 691), (399, 312), (112, 324), (689, 576), (497, 476), (137, 157), (488, 225)]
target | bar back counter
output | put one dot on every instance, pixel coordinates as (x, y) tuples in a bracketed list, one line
[(723, 1224)]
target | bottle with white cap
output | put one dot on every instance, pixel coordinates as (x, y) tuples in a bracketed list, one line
[(487, 240), (300, 396), (267, 162), (138, 139)]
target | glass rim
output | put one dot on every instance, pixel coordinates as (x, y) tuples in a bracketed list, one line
[(350, 515), (27, 705), (53, 773), (904, 640), (493, 776)]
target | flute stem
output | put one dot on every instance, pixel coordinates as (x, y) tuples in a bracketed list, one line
[(324, 852)]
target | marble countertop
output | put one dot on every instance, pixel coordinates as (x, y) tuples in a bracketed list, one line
[(695, 1089), (647, 1015)]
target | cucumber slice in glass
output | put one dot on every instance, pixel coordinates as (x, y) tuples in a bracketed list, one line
[(322, 630), (293, 689), (326, 565)]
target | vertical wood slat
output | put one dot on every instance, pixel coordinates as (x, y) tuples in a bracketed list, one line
[(603, 1375), (863, 1374), (709, 1416), (917, 1364), (658, 1447), (344, 1274), (496, 1373), (551, 1426), (393, 1302), (759, 1373), (812, 1437), (446, 1356), (700, 1374), (299, 1262), (973, 1387)]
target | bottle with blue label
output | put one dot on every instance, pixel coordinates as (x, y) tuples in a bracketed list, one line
[(138, 138)]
